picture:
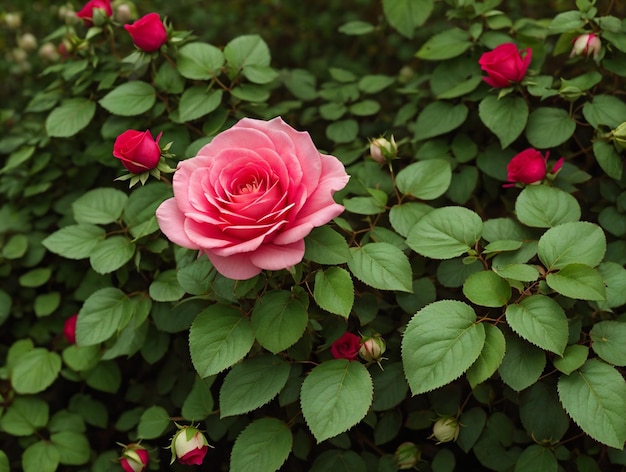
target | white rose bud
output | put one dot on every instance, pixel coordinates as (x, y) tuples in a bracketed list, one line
[(13, 20), (123, 13), (407, 455), (382, 150), (48, 52), (27, 42), (372, 348), (446, 429), (587, 45)]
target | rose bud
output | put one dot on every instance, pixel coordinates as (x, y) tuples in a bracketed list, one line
[(528, 167), (382, 150), (372, 348), (586, 45), (48, 52), (137, 150), (27, 42), (69, 329), (407, 455), (148, 32), (346, 347), (134, 458), (189, 445), (505, 65), (90, 11), (123, 13), (13, 20), (446, 429)]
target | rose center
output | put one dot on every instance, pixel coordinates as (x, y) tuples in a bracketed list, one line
[(250, 187)]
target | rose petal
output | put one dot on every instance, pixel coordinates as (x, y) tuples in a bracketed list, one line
[(172, 223), (274, 257), (236, 267)]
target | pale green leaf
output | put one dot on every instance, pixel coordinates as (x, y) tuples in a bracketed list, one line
[(490, 357), (153, 422), (74, 241), (334, 291), (70, 117), (486, 288), (505, 117), (382, 266), (572, 243), (607, 338), (578, 281), (263, 446), (279, 319), (425, 180), (541, 206), (129, 99)]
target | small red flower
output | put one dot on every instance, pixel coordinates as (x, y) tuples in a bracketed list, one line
[(505, 65), (137, 150), (346, 347), (69, 329), (87, 11), (148, 33)]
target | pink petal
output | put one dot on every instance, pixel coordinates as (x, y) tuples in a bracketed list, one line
[(236, 267), (172, 222), (274, 257)]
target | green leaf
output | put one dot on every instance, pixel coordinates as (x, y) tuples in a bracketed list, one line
[(199, 61), (595, 397), (259, 74), (42, 456), (536, 457), (105, 376), (486, 288), (403, 217), (15, 247), (199, 403), (165, 287), (375, 83), (390, 387), (425, 180), (505, 117), (356, 28), (339, 460), (549, 127), (111, 254), (74, 241), (539, 320), (196, 278), (139, 212), (334, 291), (439, 118), (521, 272), (553, 422), (440, 343), (129, 99), (490, 357), (445, 233), (219, 337), (604, 110), (70, 117), (406, 15), (252, 384), (522, 365), (81, 358), (455, 78), (473, 421), (279, 319), (365, 108), (35, 371), (73, 447), (99, 206), (382, 266), (247, 50), (607, 339), (197, 102), (24, 416), (343, 131), (36, 277), (105, 312), (326, 246), (573, 357), (153, 422), (263, 446), (45, 304), (335, 396), (541, 206), (566, 22), (445, 45), (578, 281), (568, 243), (608, 159)]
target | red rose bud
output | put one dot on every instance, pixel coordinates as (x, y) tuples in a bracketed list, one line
[(189, 445), (382, 150), (407, 455), (446, 429), (372, 348), (69, 329), (505, 65), (148, 33), (134, 458), (137, 150), (88, 12), (586, 45), (346, 347), (527, 167)]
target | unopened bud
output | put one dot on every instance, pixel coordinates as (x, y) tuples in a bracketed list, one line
[(446, 429), (407, 455), (382, 150), (13, 20), (27, 42), (19, 55), (48, 52), (587, 45), (134, 458), (123, 13), (372, 348), (619, 136), (189, 445)]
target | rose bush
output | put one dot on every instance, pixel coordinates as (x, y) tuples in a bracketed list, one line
[(148, 32), (505, 65), (248, 198)]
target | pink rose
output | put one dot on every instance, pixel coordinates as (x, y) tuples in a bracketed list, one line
[(505, 65), (69, 329), (346, 347), (148, 33), (134, 458), (250, 196), (529, 167), (190, 446), (87, 12), (586, 45), (137, 150)]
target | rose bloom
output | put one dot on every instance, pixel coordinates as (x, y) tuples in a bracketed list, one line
[(87, 11), (134, 458), (137, 150), (69, 329), (529, 167), (190, 450), (148, 32), (346, 347), (586, 45), (250, 196), (505, 65)]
